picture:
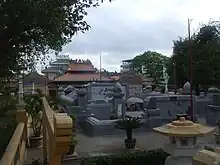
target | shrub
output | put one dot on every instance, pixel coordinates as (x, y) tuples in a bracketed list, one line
[(7, 123), (34, 107), (151, 157)]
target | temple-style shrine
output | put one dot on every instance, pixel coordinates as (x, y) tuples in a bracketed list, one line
[(80, 72)]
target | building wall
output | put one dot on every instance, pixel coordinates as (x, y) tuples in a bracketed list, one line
[(126, 66)]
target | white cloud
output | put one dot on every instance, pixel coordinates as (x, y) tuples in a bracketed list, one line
[(125, 28)]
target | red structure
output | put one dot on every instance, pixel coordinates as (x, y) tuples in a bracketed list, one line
[(79, 74)]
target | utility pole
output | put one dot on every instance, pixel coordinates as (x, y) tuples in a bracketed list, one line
[(190, 69)]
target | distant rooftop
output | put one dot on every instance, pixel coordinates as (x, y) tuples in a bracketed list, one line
[(81, 67), (63, 57), (79, 61), (73, 77), (51, 69), (60, 61)]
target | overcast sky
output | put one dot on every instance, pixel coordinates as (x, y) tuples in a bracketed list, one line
[(125, 28)]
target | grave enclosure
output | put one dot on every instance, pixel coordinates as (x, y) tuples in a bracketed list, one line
[(99, 105)]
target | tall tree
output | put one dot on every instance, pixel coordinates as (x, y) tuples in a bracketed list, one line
[(30, 28), (150, 64), (205, 46)]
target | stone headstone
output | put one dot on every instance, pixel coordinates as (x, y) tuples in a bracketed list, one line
[(82, 100), (216, 99), (99, 91), (118, 101), (152, 103), (186, 88), (213, 89)]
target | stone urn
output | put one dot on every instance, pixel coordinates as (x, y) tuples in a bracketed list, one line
[(183, 136)]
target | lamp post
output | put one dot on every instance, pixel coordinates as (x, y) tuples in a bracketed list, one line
[(190, 69)]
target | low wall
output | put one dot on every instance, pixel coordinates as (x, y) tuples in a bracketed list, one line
[(96, 127)]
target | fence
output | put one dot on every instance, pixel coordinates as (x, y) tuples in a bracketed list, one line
[(57, 131)]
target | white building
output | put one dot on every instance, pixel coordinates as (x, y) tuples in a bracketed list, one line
[(57, 67), (126, 65)]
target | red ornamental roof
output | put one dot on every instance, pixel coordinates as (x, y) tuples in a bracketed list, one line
[(80, 77), (81, 67)]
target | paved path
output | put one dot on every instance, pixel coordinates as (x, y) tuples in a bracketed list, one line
[(93, 146)]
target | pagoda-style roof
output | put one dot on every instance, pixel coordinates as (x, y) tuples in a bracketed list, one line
[(81, 67), (71, 77), (34, 76), (183, 128), (60, 62), (51, 69)]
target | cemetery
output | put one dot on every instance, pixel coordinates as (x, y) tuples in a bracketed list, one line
[(66, 99), (156, 127), (98, 106)]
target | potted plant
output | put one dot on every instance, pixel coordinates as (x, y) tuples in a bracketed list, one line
[(217, 134), (72, 145), (34, 106), (128, 124)]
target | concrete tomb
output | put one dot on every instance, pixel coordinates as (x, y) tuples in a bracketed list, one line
[(213, 112)]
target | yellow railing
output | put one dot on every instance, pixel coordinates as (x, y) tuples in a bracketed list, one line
[(57, 131), (15, 151)]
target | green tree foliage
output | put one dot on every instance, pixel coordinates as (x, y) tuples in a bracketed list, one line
[(7, 101), (30, 28), (205, 45), (34, 107), (152, 63)]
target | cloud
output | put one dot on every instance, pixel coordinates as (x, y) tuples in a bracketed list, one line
[(125, 28)]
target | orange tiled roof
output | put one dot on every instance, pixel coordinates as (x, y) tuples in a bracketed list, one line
[(114, 77), (81, 67), (80, 77)]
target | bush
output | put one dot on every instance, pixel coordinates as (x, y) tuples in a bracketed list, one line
[(7, 127), (151, 157)]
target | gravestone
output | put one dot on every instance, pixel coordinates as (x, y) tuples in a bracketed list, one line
[(118, 101), (211, 91), (170, 105), (186, 88), (216, 99), (153, 114), (80, 113), (82, 101), (100, 111), (213, 112), (99, 91)]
